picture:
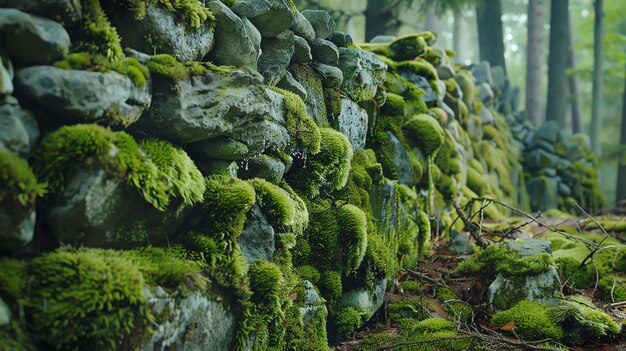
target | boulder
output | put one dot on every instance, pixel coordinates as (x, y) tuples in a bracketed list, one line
[(321, 21), (289, 83), (167, 33), (331, 76), (257, 240), (506, 291), (312, 83), (302, 27), (445, 72), (235, 42), (548, 132), (69, 12), (482, 74), (32, 39), (18, 128), (273, 19), (365, 300), (341, 39), (302, 51), (266, 167), (325, 51), (352, 122), (6, 75), (363, 72), (275, 57), (185, 114), (71, 96)]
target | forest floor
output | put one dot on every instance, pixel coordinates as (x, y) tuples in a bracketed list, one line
[(388, 330)]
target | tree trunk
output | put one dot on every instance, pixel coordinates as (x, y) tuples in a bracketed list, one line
[(533, 61), (459, 36), (379, 19), (431, 20), (557, 63), (621, 170), (577, 118), (491, 43), (598, 84)]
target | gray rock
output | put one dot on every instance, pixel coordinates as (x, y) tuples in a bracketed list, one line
[(273, 19), (548, 131), (5, 313), (485, 94), (96, 208), (401, 160), (221, 148), (312, 83), (81, 96), (235, 44), (341, 39), (383, 39), (275, 56), (68, 11), (530, 246), (543, 193), (253, 35), (138, 55), (32, 39), (543, 145), (363, 299), (261, 135), (482, 73), (248, 9), (184, 113), (539, 158), (289, 83), (362, 71), (313, 305), (544, 287), (266, 167), (18, 128), (321, 21), (486, 117), (352, 122), (325, 51), (6, 75), (331, 76), (167, 33), (257, 240), (429, 96), (302, 27), (445, 72), (198, 321), (302, 51), (17, 223)]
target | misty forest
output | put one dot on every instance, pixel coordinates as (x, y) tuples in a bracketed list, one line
[(312, 175)]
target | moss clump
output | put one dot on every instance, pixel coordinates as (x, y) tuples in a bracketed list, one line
[(116, 151), (583, 319), (278, 204), (497, 259), (191, 12), (327, 170), (265, 283), (455, 309), (424, 131), (100, 37), (300, 125), (227, 200), (309, 272), (84, 61), (532, 321), (181, 172), (411, 286), (14, 279), (353, 233), (330, 285), (407, 308), (420, 67), (167, 66), (348, 320), (88, 299), (408, 47), (17, 181)]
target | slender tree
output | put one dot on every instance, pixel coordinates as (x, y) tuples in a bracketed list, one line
[(490, 38), (557, 62), (534, 60), (577, 118), (621, 170), (598, 84)]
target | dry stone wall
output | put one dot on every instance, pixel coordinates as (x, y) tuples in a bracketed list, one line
[(188, 175)]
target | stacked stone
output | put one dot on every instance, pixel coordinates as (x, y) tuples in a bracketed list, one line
[(349, 14)]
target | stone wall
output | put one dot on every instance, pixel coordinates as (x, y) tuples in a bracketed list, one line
[(234, 175)]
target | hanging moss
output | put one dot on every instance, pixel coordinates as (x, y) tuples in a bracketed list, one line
[(85, 61), (330, 285), (18, 184), (100, 37), (300, 125), (265, 283), (532, 321), (353, 233)]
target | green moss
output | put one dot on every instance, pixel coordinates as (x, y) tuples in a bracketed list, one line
[(327, 170), (330, 285), (309, 272), (117, 151), (86, 61), (332, 99), (88, 299), (100, 37), (353, 234), (180, 170), (13, 280), (424, 131), (265, 283), (410, 46), (532, 321), (167, 66), (348, 320), (226, 202), (476, 182), (394, 106), (456, 310), (300, 125), (583, 319), (18, 184), (420, 67), (275, 202), (407, 308), (14, 337), (497, 259), (411, 286)]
